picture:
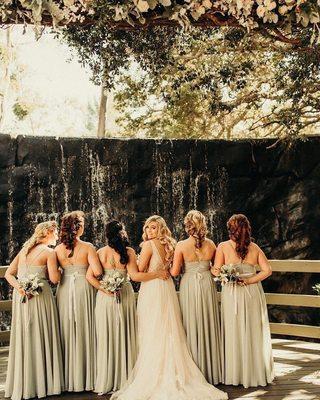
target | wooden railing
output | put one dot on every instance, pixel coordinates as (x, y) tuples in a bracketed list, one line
[(296, 300)]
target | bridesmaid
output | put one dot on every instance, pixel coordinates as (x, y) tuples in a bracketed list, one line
[(116, 327), (35, 361), (198, 296), (76, 302), (245, 325)]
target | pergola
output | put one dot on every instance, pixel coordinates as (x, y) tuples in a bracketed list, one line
[(274, 19)]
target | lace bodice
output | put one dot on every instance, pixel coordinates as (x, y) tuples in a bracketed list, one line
[(156, 262)]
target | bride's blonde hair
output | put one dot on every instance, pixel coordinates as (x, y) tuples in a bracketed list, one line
[(41, 232), (164, 235), (196, 226)]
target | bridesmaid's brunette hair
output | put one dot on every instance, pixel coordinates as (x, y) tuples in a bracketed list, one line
[(118, 240), (195, 226), (70, 225), (239, 229), (41, 232)]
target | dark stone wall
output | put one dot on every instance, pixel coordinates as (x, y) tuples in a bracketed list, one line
[(277, 188)]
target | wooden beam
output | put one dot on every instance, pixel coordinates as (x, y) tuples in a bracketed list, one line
[(312, 266), (5, 305), (272, 298), (296, 300), (276, 328), (213, 18), (3, 269), (295, 330), (4, 336)]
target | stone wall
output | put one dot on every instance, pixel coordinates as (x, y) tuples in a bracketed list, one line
[(278, 189)]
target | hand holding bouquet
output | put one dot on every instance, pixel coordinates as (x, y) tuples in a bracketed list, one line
[(31, 285), (113, 283), (228, 274)]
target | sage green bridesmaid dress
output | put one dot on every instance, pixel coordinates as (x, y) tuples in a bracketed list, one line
[(116, 329), (246, 334), (201, 318), (35, 366), (76, 302)]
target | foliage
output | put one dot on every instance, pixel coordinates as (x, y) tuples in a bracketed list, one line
[(316, 288), (196, 82), (28, 106), (223, 85), (204, 82), (20, 110), (108, 53), (250, 14)]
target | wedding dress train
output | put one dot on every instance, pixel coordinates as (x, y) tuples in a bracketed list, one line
[(164, 369)]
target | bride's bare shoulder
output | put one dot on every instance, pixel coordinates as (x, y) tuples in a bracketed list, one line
[(146, 245)]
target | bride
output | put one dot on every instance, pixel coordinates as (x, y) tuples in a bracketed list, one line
[(164, 369)]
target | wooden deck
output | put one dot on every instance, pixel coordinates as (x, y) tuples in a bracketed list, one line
[(297, 367)]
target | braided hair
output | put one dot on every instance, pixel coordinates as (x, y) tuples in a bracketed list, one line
[(41, 232), (70, 225), (195, 226), (239, 229)]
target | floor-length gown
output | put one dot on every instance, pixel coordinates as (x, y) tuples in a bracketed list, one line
[(201, 318), (246, 333), (35, 363), (76, 301), (164, 369), (116, 337)]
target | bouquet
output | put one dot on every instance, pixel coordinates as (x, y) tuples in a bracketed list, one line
[(228, 274), (32, 286), (316, 288), (113, 283)]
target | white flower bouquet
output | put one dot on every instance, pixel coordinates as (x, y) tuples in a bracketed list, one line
[(32, 286), (113, 283), (228, 274)]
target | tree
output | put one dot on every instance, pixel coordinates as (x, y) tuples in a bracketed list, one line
[(225, 82), (12, 100), (275, 19), (102, 113), (6, 54), (220, 84)]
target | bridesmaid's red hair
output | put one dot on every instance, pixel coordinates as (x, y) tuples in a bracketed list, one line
[(70, 225), (239, 229)]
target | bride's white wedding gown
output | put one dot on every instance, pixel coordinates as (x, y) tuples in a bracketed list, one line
[(164, 369)]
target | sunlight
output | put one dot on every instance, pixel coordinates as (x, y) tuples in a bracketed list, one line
[(50, 92)]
